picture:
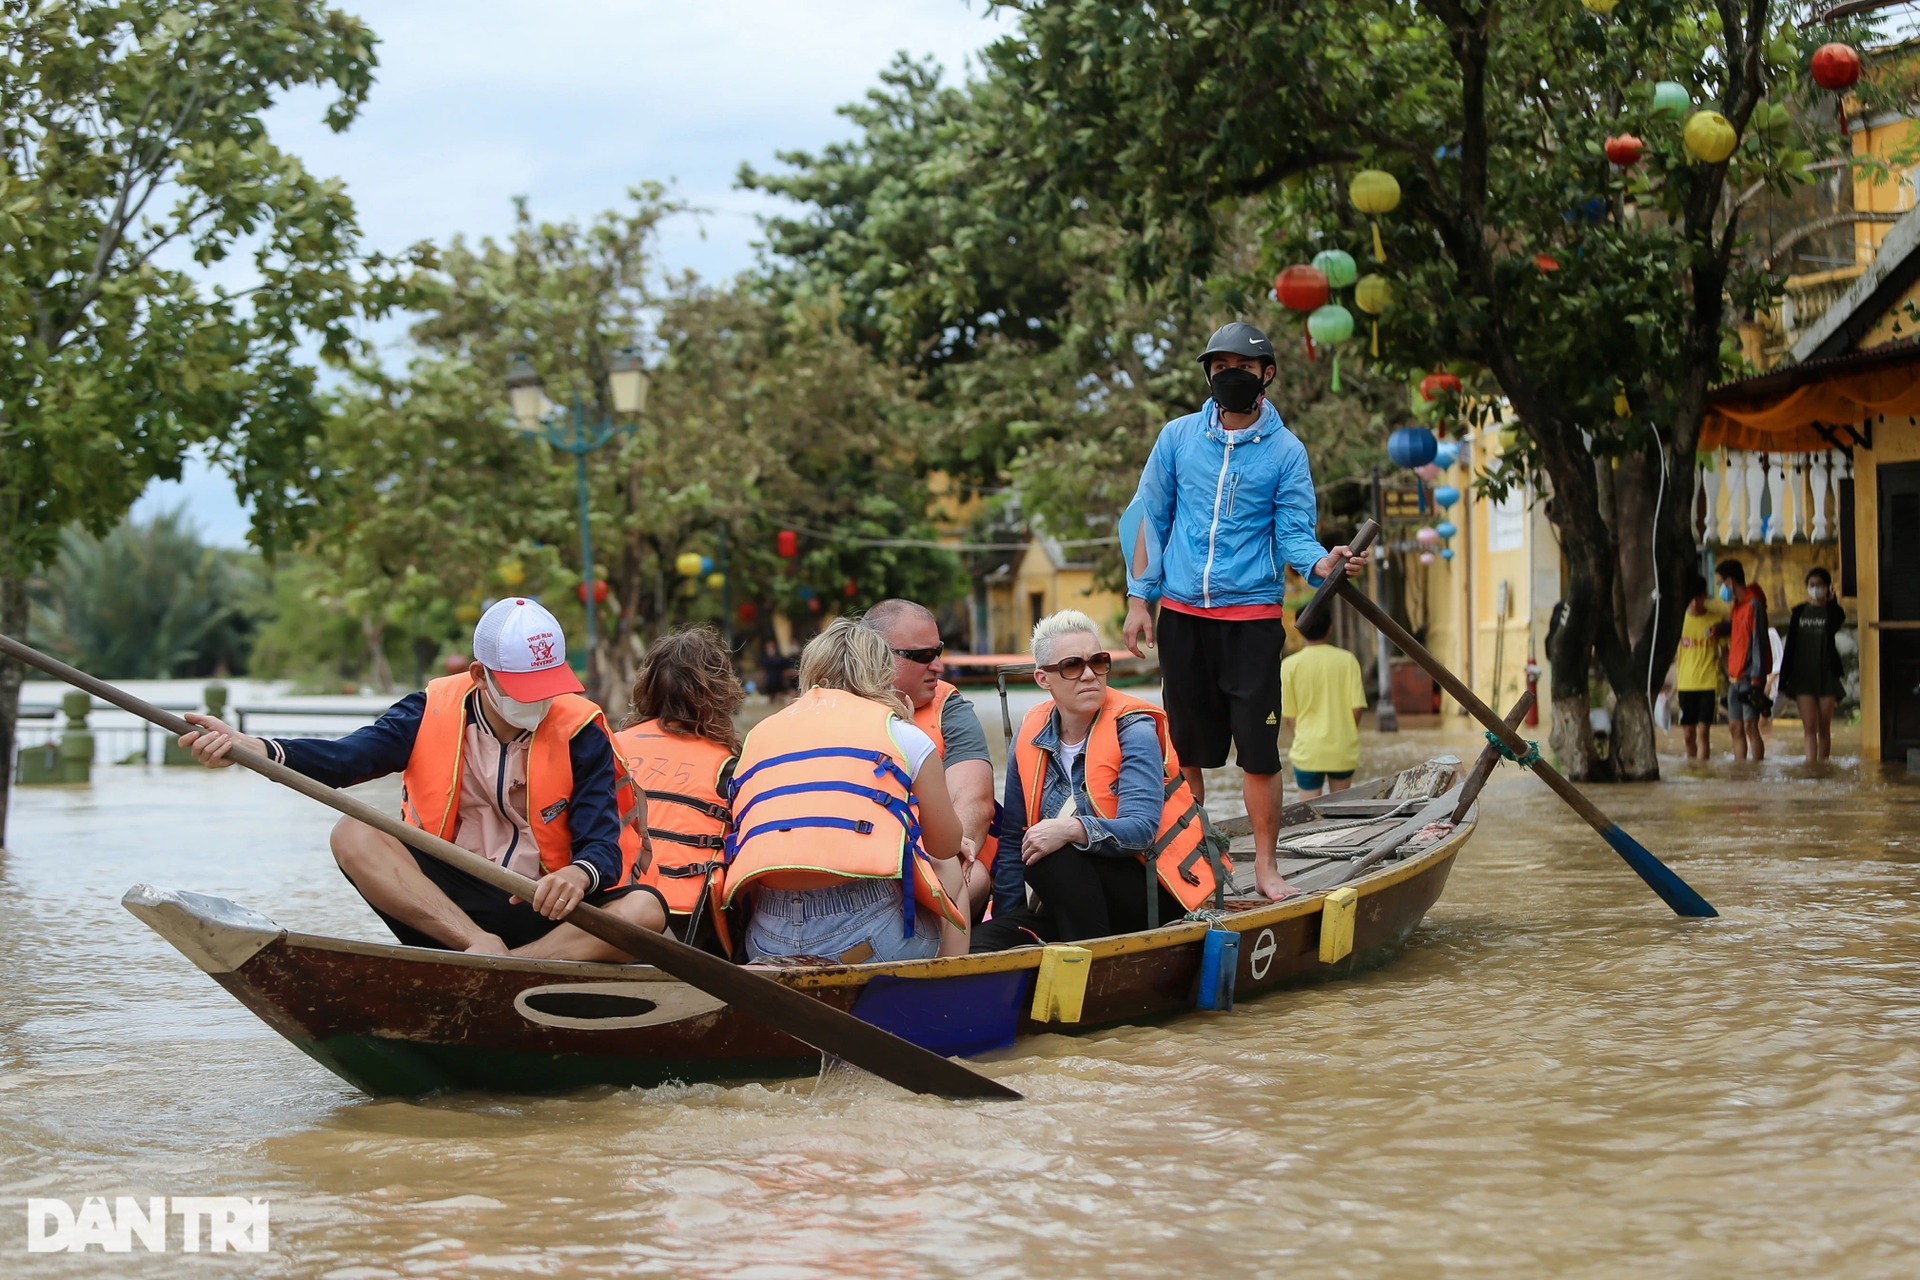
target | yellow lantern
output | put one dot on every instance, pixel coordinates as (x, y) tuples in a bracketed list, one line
[(512, 572), (1710, 136), (1600, 6), (688, 564), (716, 580), (1373, 295), (1374, 192), (468, 613)]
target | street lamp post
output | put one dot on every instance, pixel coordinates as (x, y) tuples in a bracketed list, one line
[(537, 417)]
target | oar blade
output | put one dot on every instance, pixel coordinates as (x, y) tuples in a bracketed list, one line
[(1661, 878)]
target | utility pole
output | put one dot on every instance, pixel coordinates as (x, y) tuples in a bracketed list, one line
[(1385, 718)]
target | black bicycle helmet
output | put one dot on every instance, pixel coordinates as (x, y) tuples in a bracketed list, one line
[(1238, 338)]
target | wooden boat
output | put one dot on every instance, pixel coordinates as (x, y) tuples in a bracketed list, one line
[(401, 1020)]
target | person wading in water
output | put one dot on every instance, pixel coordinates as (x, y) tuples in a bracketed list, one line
[(1225, 500), (506, 760)]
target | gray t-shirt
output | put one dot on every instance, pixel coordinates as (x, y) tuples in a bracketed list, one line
[(960, 726)]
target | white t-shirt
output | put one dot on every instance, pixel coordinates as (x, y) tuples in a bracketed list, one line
[(1069, 754), (915, 741)]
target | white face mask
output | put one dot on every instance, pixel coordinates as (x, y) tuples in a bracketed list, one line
[(521, 715)]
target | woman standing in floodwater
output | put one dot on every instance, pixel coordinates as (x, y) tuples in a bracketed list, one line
[(1810, 670)]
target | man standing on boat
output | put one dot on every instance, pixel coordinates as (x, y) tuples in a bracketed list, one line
[(506, 760), (946, 716), (1225, 500)]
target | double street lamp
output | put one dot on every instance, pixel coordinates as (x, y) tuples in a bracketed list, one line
[(537, 417)]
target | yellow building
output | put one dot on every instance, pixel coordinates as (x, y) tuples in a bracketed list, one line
[(1038, 581)]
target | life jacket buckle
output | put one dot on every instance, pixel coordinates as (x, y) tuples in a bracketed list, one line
[(863, 827)]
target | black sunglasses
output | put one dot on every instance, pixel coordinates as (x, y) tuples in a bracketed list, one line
[(922, 656), (1075, 667)]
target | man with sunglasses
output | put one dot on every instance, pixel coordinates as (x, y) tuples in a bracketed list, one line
[(947, 717), (1226, 499)]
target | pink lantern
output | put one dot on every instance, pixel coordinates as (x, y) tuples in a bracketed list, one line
[(1430, 472), (1427, 536), (1426, 557)]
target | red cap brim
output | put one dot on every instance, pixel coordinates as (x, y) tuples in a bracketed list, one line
[(532, 686)]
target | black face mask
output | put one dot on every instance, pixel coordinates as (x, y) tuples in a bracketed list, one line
[(1236, 390)]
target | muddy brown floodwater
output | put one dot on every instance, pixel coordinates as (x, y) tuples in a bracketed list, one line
[(1557, 1078)]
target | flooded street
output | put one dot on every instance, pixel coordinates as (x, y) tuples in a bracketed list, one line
[(1557, 1078)]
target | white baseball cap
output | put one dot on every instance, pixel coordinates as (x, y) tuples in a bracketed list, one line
[(523, 646)]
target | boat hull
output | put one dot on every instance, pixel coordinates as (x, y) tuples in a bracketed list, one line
[(394, 1020)]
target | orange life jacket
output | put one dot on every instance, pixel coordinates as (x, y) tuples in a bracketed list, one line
[(431, 781), (928, 720), (687, 813), (823, 786), (1178, 856)]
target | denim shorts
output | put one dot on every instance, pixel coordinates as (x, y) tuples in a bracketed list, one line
[(860, 915), (1739, 701)]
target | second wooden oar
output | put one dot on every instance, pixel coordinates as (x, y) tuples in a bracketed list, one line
[(1661, 878), (830, 1030)]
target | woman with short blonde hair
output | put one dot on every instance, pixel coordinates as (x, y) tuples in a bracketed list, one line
[(844, 832)]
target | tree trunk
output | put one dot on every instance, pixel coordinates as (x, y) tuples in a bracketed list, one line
[(1570, 736), (13, 622), (379, 673)]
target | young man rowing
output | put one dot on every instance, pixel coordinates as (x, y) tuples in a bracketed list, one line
[(1225, 500)]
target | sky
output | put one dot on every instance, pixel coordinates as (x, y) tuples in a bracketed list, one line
[(572, 102)]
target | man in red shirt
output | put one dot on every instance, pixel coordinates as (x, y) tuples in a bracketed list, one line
[(1749, 659)]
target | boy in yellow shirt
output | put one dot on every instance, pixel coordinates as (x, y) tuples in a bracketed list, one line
[(1322, 698), (1697, 666)]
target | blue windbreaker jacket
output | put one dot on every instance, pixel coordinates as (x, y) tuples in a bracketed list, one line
[(1218, 512)]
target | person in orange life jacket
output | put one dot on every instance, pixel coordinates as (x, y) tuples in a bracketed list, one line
[(946, 715), (843, 830), (679, 743), (505, 760), (1749, 659), (1086, 863), (1225, 498)]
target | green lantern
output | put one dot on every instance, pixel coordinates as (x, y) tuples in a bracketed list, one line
[(1671, 98), (1330, 326), (1338, 266)]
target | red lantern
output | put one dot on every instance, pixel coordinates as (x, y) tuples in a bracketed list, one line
[(1625, 150), (850, 588), (599, 590), (1438, 383), (1301, 288), (749, 611), (1836, 67), (1546, 262), (813, 605), (787, 543)]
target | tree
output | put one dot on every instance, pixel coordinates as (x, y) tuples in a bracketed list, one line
[(135, 156), (1516, 249)]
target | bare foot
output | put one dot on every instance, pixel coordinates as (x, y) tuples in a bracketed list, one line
[(488, 945), (1272, 884)]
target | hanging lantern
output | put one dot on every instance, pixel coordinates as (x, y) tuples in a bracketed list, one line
[(1837, 67), (1427, 536), (716, 580), (748, 611), (1710, 136), (787, 544), (1337, 265), (1447, 454), (1373, 295), (1446, 495), (1602, 7), (1437, 384), (1625, 150), (1412, 447), (850, 588), (1546, 262), (1446, 528), (813, 605), (1302, 288), (1374, 192), (1331, 325), (688, 564), (1426, 557), (512, 572), (1446, 553), (1621, 405), (469, 614), (599, 591), (456, 663), (1671, 98), (1429, 473)]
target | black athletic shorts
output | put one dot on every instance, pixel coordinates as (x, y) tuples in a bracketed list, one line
[(1221, 681), (514, 923), (1697, 706)]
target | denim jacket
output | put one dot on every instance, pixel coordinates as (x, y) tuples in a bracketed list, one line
[(1142, 798)]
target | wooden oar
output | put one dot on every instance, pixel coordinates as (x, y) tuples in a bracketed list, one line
[(821, 1025), (1661, 878)]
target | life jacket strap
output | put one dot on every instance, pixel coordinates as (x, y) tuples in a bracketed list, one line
[(882, 762), (718, 812), (690, 870), (681, 837)]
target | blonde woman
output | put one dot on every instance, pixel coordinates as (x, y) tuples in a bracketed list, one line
[(1093, 788), (843, 831)]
